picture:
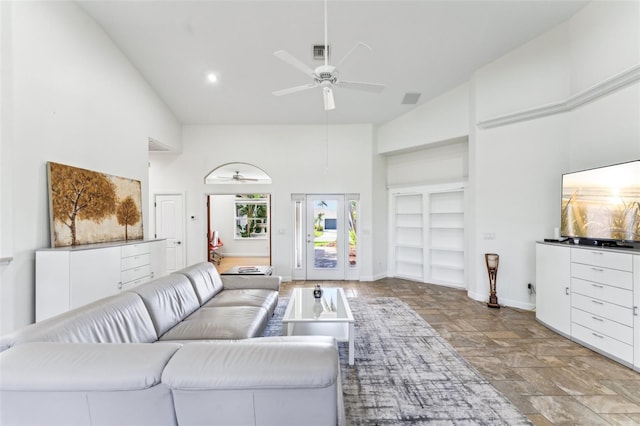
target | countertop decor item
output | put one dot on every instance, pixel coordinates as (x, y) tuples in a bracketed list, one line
[(317, 291)]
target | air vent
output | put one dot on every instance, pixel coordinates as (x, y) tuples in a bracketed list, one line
[(318, 51), (410, 98)]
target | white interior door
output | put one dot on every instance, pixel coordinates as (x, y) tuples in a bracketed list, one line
[(325, 237), (170, 225)]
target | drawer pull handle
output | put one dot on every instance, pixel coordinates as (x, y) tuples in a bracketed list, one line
[(597, 319), (597, 286), (598, 253), (566, 291), (597, 302), (635, 311), (598, 269), (119, 286), (598, 335)]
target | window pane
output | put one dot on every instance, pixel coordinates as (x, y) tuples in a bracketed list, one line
[(353, 233)]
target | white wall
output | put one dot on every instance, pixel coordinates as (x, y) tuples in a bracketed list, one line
[(433, 164), (443, 118), (75, 100), (513, 196), (517, 166), (294, 156)]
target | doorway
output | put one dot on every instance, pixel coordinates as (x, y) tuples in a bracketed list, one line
[(169, 224), (239, 230), (325, 236)]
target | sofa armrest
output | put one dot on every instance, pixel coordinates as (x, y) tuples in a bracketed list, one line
[(266, 282), (48, 366)]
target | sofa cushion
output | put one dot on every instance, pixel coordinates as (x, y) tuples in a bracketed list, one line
[(225, 322), (204, 278), (284, 383), (65, 384), (48, 366), (267, 299), (169, 300), (122, 318)]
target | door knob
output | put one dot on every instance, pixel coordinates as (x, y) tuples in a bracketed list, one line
[(178, 242)]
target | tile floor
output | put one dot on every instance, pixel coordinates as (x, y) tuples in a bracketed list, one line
[(551, 379)]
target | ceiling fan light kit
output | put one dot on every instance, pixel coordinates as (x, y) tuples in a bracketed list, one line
[(325, 76)]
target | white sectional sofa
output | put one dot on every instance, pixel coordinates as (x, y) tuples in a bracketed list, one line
[(181, 349)]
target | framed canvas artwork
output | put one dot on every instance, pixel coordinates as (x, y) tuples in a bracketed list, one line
[(87, 207)]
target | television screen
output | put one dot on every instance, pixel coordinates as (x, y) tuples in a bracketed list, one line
[(602, 203)]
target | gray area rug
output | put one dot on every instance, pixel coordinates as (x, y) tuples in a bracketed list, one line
[(405, 373)]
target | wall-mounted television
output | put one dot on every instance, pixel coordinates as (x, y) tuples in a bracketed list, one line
[(602, 205)]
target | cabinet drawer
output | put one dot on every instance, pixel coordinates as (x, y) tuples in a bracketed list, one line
[(597, 274), (135, 283), (135, 261), (134, 249), (603, 343), (603, 309), (602, 325), (135, 273), (603, 292), (603, 259)]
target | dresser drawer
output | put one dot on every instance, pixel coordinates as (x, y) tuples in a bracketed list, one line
[(603, 309), (603, 343), (135, 273), (135, 249), (602, 292), (597, 274), (135, 261), (603, 259), (602, 325), (131, 284)]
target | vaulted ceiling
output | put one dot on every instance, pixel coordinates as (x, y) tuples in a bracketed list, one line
[(419, 46)]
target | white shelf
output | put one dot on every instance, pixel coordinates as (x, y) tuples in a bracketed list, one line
[(427, 235)]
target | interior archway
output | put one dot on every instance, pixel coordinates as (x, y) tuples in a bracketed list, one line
[(238, 217), (237, 173)]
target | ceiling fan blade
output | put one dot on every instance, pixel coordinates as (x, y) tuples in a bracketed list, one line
[(360, 85), (360, 46), (327, 96), (294, 89), (294, 62)]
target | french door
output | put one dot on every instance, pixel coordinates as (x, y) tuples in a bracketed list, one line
[(325, 237)]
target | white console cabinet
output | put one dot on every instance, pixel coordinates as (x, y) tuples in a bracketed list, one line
[(592, 296), (69, 277), (553, 290)]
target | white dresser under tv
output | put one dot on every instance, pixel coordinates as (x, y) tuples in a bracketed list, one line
[(69, 277), (592, 296)]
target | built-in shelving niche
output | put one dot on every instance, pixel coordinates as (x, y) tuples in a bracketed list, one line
[(427, 234)]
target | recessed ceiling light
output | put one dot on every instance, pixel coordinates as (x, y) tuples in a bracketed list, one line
[(212, 78)]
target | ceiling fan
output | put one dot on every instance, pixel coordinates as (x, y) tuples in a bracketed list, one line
[(325, 76), (239, 178)]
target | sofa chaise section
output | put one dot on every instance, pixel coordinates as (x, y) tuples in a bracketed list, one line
[(271, 381)]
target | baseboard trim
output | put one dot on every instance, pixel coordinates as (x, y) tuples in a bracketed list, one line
[(526, 306)]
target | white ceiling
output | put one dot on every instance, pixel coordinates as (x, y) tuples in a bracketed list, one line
[(421, 46)]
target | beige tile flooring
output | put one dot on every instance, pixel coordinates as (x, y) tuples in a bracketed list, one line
[(548, 377)]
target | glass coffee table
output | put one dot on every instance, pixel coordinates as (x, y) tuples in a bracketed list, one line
[(328, 316)]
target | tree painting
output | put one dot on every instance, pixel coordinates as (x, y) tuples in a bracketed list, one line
[(91, 207), (80, 194), (127, 214)]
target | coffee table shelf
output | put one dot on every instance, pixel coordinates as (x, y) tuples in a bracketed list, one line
[(327, 316)]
